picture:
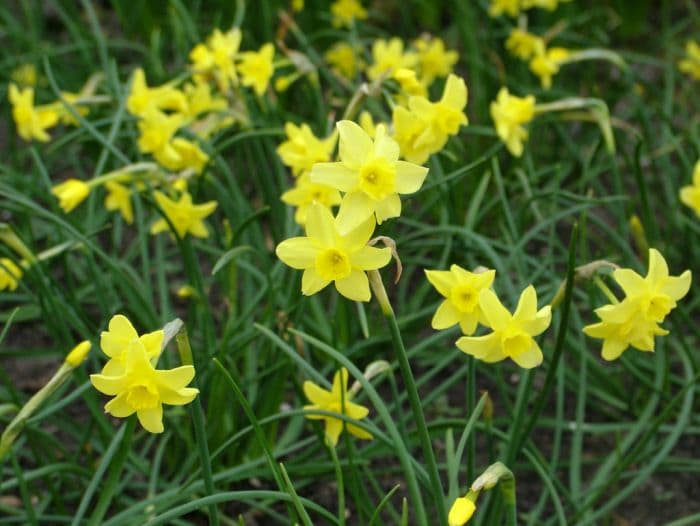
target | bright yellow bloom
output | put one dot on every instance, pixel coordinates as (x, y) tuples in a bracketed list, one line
[(31, 121), (423, 128), (216, 58), (510, 7), (512, 335), (10, 274), (546, 64), (116, 340), (509, 113), (343, 58), (524, 45), (691, 64), (410, 85), (25, 75), (690, 195), (370, 174), (78, 354), (337, 400), (157, 129), (657, 293), (305, 193), (200, 99), (181, 154), (303, 149), (142, 99), (143, 389), (70, 193), (345, 11), (461, 289), (119, 198), (325, 255), (389, 56), (184, 216), (256, 68), (433, 60), (461, 511)]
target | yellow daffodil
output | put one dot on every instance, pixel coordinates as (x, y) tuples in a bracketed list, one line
[(142, 98), (370, 174), (31, 121), (70, 193), (424, 127), (691, 64), (389, 56), (510, 7), (461, 511), (157, 129), (337, 400), (622, 325), (433, 59), (200, 99), (344, 59), (256, 68), (409, 83), (10, 274), (346, 11), (305, 193), (181, 154), (303, 149), (325, 255), (216, 58), (657, 292), (115, 342), (186, 218), (690, 195), (512, 335), (78, 354), (143, 389), (546, 64), (119, 198), (509, 113), (524, 45), (461, 289)]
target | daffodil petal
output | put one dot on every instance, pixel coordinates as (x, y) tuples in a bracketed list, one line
[(316, 394), (527, 304), (530, 358), (358, 237), (629, 280), (179, 397), (355, 144), (388, 207), (335, 175), (445, 316), (311, 282), (297, 252), (496, 314), (151, 419), (320, 225), (109, 385), (409, 177), (359, 432), (355, 209), (334, 427), (370, 258), (175, 379), (118, 406), (355, 286), (442, 280)]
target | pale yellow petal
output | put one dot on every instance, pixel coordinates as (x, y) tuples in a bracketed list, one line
[(175, 379), (297, 252), (355, 209), (677, 287), (316, 394), (387, 208), (370, 258), (494, 311), (335, 175), (442, 280), (445, 316), (118, 407), (355, 286), (311, 282), (630, 282), (355, 144), (409, 177), (320, 225), (530, 358), (109, 385), (334, 427)]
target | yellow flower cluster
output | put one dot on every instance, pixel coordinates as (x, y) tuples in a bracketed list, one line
[(131, 376)]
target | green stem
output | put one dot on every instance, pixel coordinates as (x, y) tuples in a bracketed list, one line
[(341, 487), (377, 285)]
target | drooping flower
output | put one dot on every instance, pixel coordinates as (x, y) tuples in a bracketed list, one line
[(303, 149), (461, 289), (433, 59), (509, 113), (389, 56), (690, 194), (115, 342), (461, 511), (346, 11), (344, 58), (142, 389), (70, 193), (119, 198), (691, 64), (305, 193), (325, 255), (338, 400), (186, 217), (524, 45), (256, 68), (370, 174), (31, 121), (510, 7), (546, 64), (10, 274), (512, 334)]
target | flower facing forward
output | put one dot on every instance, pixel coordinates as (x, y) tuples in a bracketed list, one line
[(116, 340), (509, 113), (690, 195), (143, 389), (70, 193), (461, 289), (326, 256), (256, 68), (10, 274), (186, 217), (370, 174), (512, 335), (461, 511), (337, 400)]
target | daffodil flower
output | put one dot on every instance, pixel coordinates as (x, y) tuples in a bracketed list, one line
[(31, 121), (115, 342), (388, 56), (509, 114), (510, 7), (325, 255), (142, 98), (337, 400), (216, 58), (512, 335), (10, 274), (186, 217), (256, 68), (344, 59), (461, 289), (433, 59), (461, 511), (70, 193), (370, 174), (303, 149), (545, 64), (305, 194), (524, 45)]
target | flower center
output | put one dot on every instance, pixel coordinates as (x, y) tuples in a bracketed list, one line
[(657, 307), (515, 341), (333, 264), (464, 297), (448, 120), (142, 396), (378, 179)]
